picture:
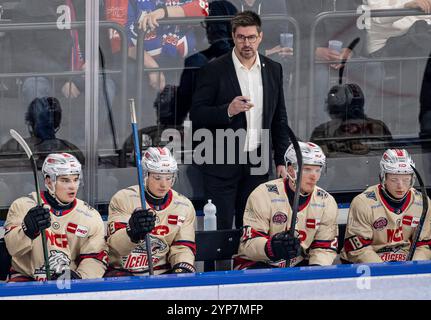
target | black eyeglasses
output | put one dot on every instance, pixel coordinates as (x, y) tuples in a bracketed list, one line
[(241, 38)]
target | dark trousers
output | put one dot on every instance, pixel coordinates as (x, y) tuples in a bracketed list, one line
[(229, 193)]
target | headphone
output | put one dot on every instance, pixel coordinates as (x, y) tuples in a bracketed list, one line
[(346, 99), (43, 117)]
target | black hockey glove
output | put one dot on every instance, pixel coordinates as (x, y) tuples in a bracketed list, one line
[(36, 220), (66, 275), (140, 223), (282, 246), (183, 267)]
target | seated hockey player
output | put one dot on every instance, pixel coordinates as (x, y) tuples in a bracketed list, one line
[(74, 231), (383, 218), (265, 240), (169, 219)]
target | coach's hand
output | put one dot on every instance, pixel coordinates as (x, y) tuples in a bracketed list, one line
[(281, 171), (239, 104)]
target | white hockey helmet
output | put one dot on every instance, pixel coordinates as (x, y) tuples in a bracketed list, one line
[(60, 164), (159, 160), (396, 161), (312, 154)]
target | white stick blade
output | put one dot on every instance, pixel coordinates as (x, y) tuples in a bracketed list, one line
[(21, 141), (132, 110)]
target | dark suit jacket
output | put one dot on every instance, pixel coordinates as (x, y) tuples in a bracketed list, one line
[(217, 85)]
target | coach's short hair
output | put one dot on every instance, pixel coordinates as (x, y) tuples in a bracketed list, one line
[(246, 19)]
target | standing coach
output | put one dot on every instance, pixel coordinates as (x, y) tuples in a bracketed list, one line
[(241, 91)]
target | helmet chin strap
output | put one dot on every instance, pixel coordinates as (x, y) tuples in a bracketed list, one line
[(53, 182), (293, 179)]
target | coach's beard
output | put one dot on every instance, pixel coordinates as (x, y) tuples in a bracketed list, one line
[(247, 53)]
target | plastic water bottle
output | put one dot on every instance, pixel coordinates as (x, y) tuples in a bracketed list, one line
[(210, 219)]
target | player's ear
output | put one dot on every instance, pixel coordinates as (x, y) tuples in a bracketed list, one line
[(49, 182)]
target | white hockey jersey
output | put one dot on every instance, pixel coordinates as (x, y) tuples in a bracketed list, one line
[(75, 240), (172, 239), (268, 212), (377, 233)]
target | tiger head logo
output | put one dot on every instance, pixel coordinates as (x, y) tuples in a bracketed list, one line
[(58, 261)]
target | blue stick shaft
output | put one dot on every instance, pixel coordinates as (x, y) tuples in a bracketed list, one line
[(140, 180), (138, 165)]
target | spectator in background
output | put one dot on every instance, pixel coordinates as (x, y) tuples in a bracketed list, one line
[(403, 36), (341, 29), (350, 129), (167, 45), (271, 28), (116, 11), (218, 33), (124, 13), (399, 36), (43, 118), (174, 102), (53, 50)]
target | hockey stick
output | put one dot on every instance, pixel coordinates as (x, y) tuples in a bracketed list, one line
[(297, 182), (295, 205), (108, 101), (140, 178), (418, 230), (30, 156), (351, 46)]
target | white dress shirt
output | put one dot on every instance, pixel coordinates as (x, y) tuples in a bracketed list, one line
[(250, 81)]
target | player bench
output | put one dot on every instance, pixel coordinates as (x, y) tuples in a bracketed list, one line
[(211, 247)]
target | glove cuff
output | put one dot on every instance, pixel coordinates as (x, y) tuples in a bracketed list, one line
[(27, 232), (183, 267), (75, 275), (133, 237), (268, 249)]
